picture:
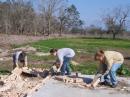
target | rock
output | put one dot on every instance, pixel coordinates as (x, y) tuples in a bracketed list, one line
[(78, 80), (42, 54), (35, 73), (26, 48), (17, 71), (69, 79), (1, 83), (16, 85), (74, 63), (1, 50), (95, 82), (59, 78), (31, 49), (4, 53), (1, 59)]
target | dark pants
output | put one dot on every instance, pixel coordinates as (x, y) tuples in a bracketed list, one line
[(20, 59), (14, 61), (66, 66)]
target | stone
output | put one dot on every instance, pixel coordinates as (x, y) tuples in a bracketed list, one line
[(42, 54), (1, 83), (74, 63), (18, 86), (26, 48)]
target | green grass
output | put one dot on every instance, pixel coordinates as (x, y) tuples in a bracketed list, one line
[(83, 47), (4, 72), (124, 71), (86, 46), (39, 58), (89, 68)]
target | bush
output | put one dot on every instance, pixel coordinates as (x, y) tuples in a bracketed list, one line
[(4, 72), (123, 71), (88, 69)]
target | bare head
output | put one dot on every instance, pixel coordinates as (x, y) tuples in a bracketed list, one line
[(99, 55), (53, 51)]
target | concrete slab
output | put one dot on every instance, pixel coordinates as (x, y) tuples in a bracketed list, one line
[(54, 88)]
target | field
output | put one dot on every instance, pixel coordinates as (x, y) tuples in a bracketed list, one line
[(85, 49)]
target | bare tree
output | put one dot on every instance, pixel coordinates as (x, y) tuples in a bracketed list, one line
[(115, 21), (20, 17), (62, 19), (49, 9)]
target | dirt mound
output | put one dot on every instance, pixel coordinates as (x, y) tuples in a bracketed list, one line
[(18, 39), (27, 48), (19, 85), (42, 54)]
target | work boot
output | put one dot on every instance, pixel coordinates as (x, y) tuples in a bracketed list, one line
[(102, 83), (114, 85)]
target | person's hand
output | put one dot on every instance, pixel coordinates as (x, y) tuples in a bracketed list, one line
[(17, 66), (106, 73), (58, 70), (25, 68), (99, 75)]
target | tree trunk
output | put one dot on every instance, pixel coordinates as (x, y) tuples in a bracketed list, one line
[(114, 36), (61, 29)]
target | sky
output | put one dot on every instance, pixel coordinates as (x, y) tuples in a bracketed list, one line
[(91, 11)]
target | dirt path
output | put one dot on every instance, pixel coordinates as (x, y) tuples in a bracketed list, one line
[(24, 39)]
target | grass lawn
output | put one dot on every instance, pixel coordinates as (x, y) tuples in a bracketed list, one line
[(85, 49), (88, 45)]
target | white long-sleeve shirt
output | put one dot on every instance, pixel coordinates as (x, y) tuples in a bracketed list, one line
[(17, 55), (65, 52)]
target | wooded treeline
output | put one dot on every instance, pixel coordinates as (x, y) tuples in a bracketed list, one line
[(56, 17), (52, 16)]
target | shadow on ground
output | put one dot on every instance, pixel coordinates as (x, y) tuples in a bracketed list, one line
[(86, 80), (127, 58)]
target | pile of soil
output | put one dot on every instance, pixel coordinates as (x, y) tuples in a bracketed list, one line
[(19, 85)]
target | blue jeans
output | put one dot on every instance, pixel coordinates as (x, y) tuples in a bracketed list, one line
[(65, 66), (110, 78)]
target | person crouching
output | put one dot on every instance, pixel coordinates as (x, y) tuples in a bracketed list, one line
[(19, 56)]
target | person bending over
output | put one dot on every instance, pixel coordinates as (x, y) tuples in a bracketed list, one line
[(19, 56), (110, 62), (64, 56)]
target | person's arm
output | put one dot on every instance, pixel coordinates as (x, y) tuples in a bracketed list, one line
[(61, 62), (26, 62), (16, 61), (109, 65)]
